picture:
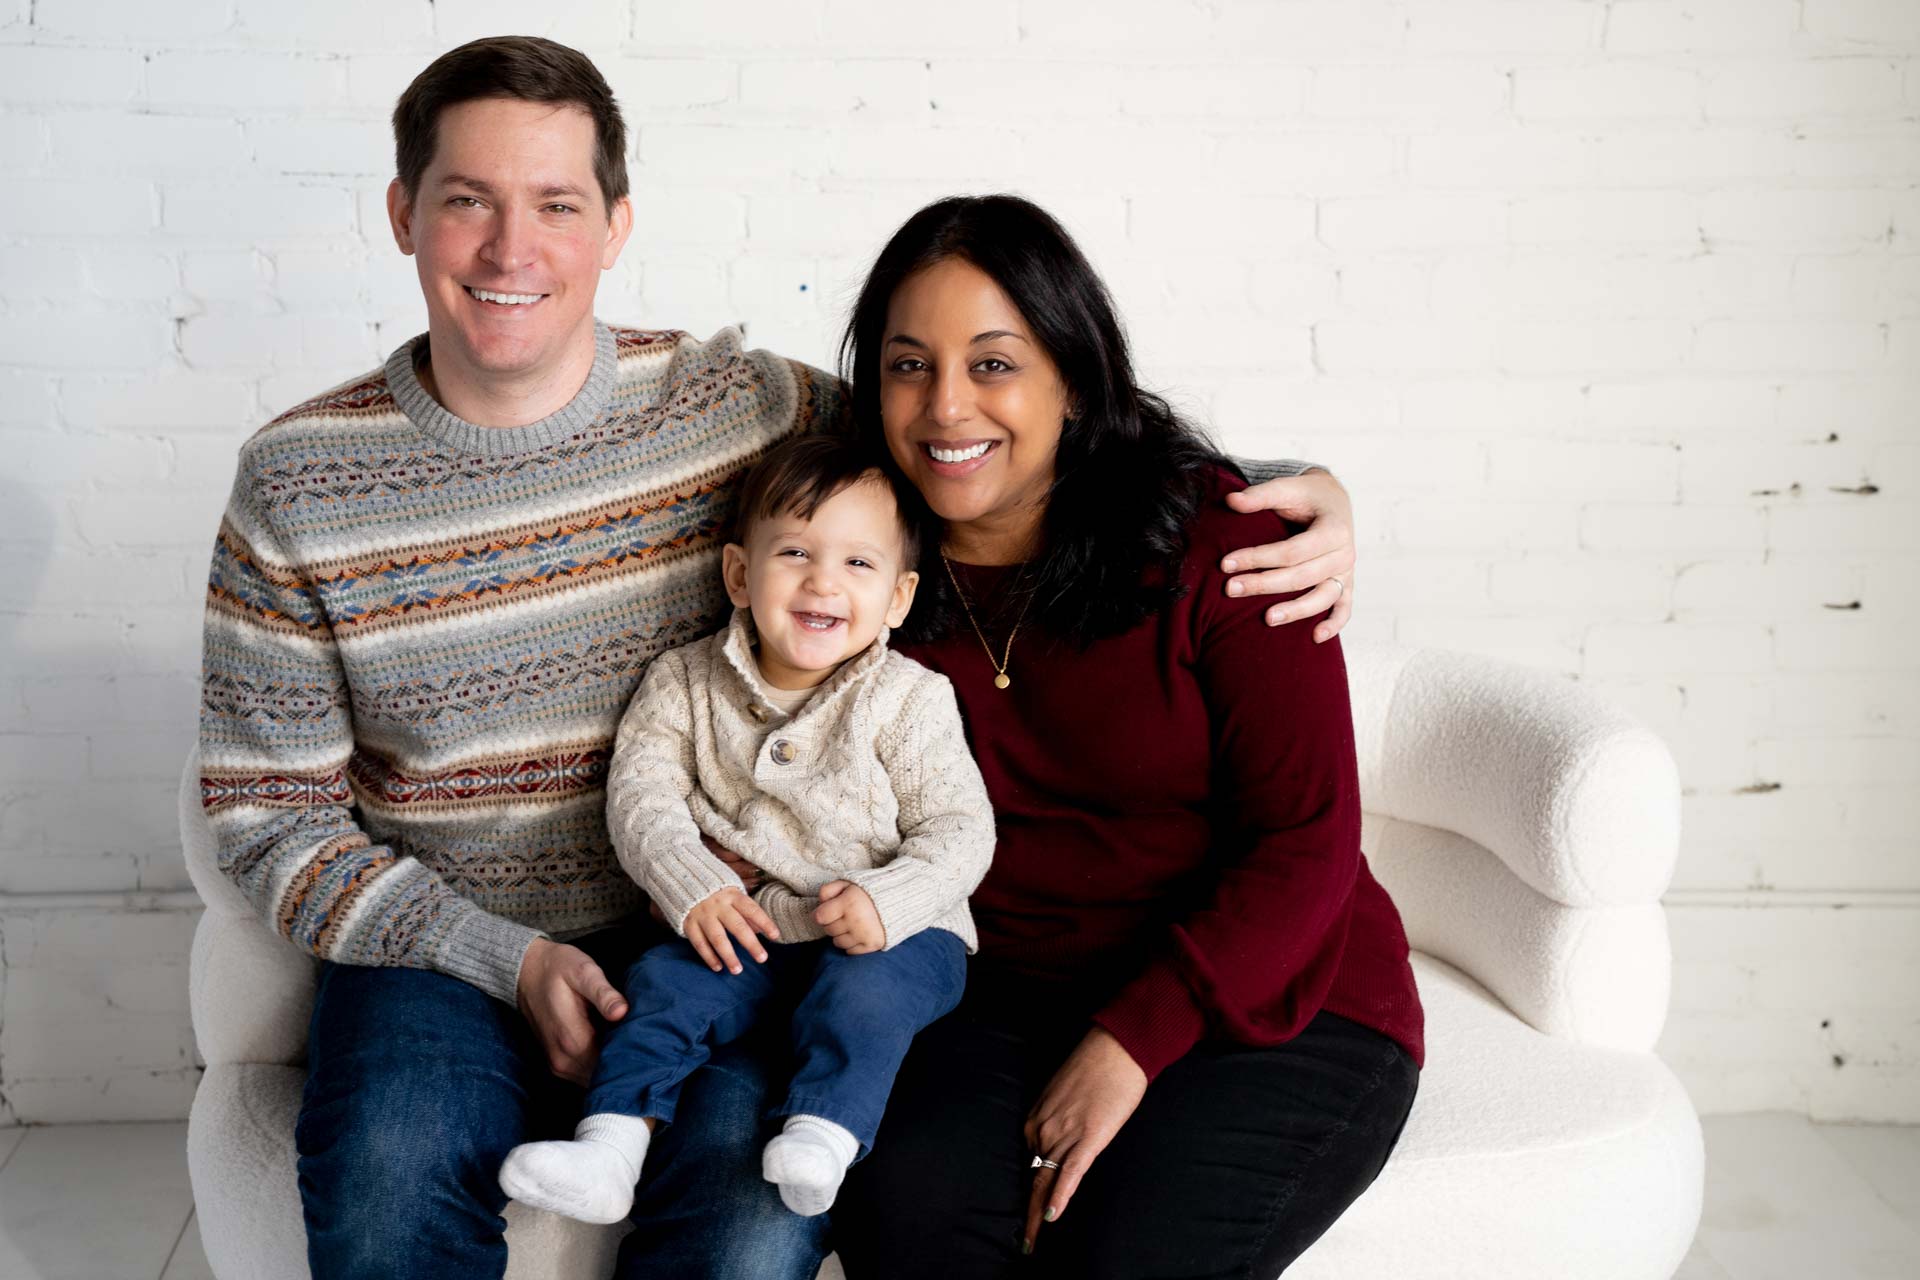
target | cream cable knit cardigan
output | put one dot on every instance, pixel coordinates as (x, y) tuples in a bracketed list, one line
[(869, 782)]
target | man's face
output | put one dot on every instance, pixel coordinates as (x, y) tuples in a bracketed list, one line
[(510, 232)]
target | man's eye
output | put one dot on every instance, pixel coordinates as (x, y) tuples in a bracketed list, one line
[(464, 202), (560, 208)]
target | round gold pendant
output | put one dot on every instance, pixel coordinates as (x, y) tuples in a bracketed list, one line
[(1000, 681)]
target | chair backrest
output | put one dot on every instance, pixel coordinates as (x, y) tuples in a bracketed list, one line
[(1526, 829)]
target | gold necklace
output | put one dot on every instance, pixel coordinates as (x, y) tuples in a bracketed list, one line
[(1000, 678)]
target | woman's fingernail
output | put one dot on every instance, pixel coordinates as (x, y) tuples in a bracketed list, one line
[(1229, 565), (1052, 1213), (1026, 1246), (1236, 588), (1277, 617)]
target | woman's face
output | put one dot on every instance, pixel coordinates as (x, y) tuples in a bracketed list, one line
[(971, 406)]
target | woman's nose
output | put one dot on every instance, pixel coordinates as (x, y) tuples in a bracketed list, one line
[(952, 397)]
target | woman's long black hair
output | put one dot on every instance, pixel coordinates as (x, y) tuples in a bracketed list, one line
[(1129, 472)]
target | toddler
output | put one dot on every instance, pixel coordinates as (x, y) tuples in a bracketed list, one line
[(796, 739)]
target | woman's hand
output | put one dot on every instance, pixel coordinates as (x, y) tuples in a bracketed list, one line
[(750, 875), (1093, 1093), (1320, 557)]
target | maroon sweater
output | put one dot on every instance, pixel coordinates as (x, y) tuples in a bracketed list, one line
[(1179, 818)]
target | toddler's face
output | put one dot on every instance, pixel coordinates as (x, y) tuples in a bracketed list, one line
[(821, 589)]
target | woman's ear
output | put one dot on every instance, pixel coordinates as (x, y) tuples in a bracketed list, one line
[(903, 588), (733, 572)]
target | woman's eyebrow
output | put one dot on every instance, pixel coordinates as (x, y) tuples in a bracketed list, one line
[(908, 340)]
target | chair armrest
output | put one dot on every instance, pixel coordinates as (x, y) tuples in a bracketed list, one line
[(1575, 797), (251, 993)]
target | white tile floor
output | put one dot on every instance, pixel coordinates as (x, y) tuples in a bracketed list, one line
[(1786, 1200)]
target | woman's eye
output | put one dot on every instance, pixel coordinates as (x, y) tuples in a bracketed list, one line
[(907, 365), (993, 364)]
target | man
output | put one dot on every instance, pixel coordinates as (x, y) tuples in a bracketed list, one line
[(434, 590)]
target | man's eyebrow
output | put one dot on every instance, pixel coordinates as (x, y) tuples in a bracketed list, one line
[(486, 188)]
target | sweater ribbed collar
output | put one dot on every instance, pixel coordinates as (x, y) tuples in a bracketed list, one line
[(428, 414)]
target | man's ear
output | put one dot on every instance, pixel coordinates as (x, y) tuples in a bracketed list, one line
[(400, 216), (733, 572), (903, 589), (619, 227)]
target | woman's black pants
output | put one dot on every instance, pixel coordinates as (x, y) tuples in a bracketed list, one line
[(1237, 1159)]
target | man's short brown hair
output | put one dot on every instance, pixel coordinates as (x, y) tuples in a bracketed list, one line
[(526, 67)]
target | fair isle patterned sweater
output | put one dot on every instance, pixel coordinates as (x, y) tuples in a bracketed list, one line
[(421, 635)]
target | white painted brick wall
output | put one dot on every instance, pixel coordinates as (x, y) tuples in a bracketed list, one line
[(1609, 313)]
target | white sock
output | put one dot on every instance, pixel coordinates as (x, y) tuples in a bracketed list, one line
[(590, 1178), (808, 1160)]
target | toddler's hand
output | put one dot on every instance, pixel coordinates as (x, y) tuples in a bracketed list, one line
[(728, 912), (850, 918)]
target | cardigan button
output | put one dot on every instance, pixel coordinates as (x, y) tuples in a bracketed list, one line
[(782, 752)]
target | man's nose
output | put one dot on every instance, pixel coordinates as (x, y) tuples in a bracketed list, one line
[(511, 245)]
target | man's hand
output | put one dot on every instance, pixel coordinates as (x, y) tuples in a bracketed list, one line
[(713, 924), (1320, 557), (1093, 1094), (560, 989), (850, 918)]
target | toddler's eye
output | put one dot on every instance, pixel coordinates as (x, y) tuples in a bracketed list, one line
[(858, 562)]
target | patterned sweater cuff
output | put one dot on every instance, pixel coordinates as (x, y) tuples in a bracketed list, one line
[(681, 880), (906, 895), (1258, 469), (485, 950), (1155, 1019), (792, 913)]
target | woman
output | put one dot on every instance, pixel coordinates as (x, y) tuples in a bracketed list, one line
[(1191, 1036)]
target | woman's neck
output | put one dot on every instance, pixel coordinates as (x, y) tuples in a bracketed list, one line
[(990, 540)]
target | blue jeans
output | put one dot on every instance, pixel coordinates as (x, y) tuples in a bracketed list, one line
[(852, 1019), (419, 1084)]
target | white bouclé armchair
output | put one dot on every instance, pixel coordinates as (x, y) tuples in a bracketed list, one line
[(1526, 829)]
